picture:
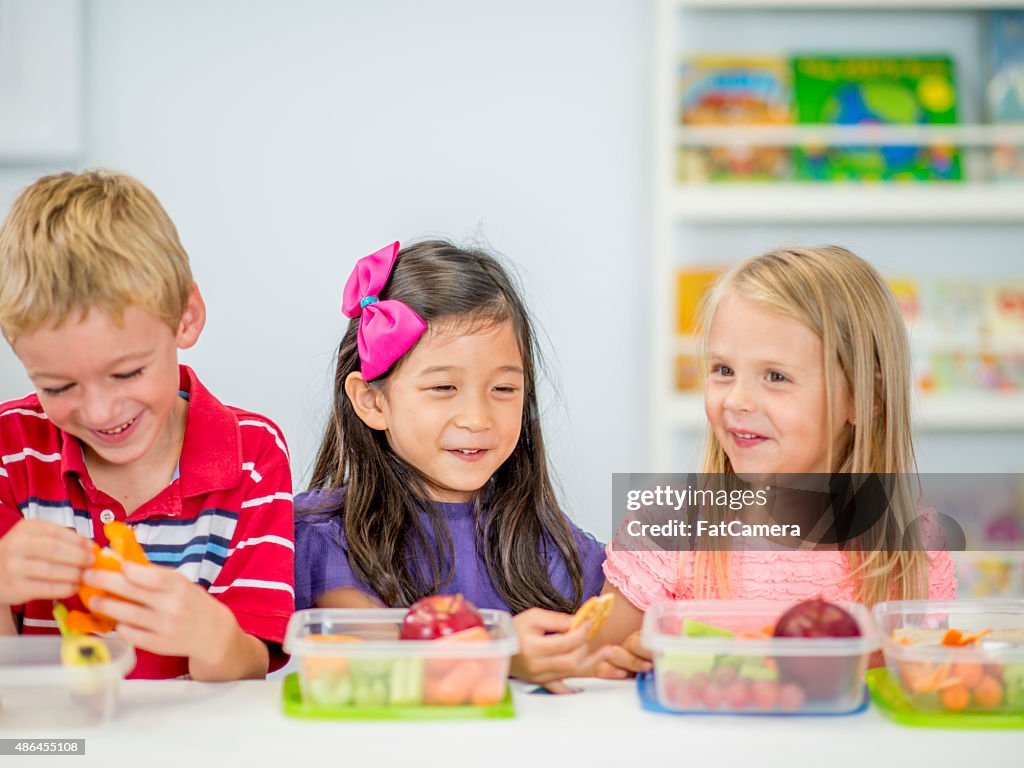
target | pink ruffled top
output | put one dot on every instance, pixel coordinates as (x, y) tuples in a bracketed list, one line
[(647, 578)]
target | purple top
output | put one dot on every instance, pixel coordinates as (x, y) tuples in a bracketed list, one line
[(321, 555)]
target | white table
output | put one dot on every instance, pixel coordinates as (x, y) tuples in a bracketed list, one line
[(186, 724)]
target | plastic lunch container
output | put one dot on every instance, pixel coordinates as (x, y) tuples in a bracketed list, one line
[(984, 676), (37, 691), (353, 659), (718, 656)]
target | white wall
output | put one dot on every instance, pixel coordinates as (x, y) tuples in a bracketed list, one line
[(287, 139)]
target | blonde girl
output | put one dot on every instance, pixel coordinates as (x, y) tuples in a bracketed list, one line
[(808, 371)]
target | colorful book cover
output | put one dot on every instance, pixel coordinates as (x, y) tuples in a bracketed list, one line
[(906, 293), (954, 314), (688, 373), (1005, 90), (691, 285), (969, 336), (734, 91), (1005, 322), (905, 90), (977, 371)]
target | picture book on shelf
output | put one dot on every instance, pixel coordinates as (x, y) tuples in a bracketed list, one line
[(863, 90), (1005, 90), (1005, 303), (906, 291), (966, 335), (691, 285), (720, 90)]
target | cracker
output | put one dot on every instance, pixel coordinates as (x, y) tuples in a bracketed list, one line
[(596, 610)]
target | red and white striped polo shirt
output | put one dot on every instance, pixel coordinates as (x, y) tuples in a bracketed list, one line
[(225, 521)]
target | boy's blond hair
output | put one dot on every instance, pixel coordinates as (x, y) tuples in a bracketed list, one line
[(93, 239), (850, 308)]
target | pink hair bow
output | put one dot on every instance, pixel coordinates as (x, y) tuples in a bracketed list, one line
[(387, 329)]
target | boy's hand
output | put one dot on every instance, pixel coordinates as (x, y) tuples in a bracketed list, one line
[(627, 659), (168, 614), (548, 658), (40, 560)]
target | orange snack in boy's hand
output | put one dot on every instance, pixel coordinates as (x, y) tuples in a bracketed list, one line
[(596, 610), (123, 547)]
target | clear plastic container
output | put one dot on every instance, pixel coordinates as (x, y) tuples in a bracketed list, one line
[(983, 676), (38, 692), (354, 659), (740, 668)]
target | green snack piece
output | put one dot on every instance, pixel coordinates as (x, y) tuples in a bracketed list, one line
[(330, 691), (369, 668), (1013, 685), (398, 684), (343, 692), (361, 693), (731, 661), (320, 691), (376, 682), (380, 692), (370, 692), (693, 628), (406, 682), (687, 664), (751, 670)]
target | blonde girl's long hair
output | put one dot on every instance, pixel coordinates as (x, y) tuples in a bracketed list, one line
[(848, 305)]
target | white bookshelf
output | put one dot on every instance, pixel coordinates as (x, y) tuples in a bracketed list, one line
[(970, 203), (791, 206)]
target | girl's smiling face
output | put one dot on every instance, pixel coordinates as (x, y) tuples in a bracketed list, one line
[(453, 409), (765, 396)]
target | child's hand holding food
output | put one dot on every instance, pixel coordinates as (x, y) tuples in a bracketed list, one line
[(550, 650), (41, 560), (628, 658)]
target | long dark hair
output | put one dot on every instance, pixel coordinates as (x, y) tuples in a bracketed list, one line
[(518, 516)]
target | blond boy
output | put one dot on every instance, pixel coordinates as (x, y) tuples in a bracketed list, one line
[(96, 299)]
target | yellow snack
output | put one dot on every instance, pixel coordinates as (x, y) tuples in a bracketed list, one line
[(78, 650), (596, 610)]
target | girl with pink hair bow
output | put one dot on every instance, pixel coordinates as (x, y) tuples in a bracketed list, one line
[(432, 477)]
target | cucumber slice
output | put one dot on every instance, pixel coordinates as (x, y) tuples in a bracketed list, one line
[(693, 628)]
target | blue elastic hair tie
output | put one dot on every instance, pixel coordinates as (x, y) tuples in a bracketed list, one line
[(367, 300)]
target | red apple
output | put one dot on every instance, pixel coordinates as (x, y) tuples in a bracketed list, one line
[(820, 677), (439, 616), (817, 618)]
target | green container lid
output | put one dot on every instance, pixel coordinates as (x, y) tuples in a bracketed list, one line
[(888, 696), (294, 706)]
